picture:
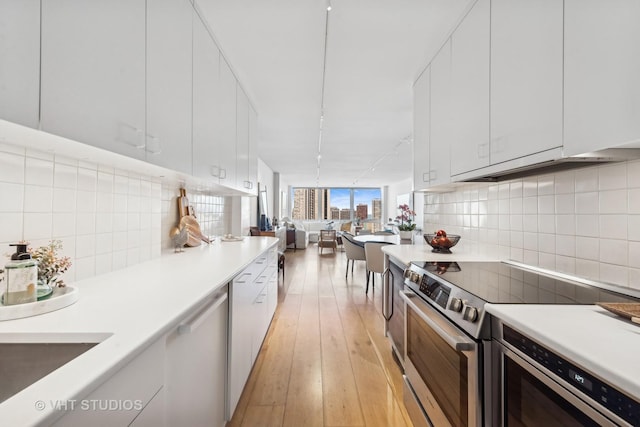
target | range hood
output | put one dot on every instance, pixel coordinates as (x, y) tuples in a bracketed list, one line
[(547, 162)]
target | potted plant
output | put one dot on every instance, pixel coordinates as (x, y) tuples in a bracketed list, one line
[(50, 266), (406, 225)]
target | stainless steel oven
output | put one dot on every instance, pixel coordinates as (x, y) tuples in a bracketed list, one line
[(449, 351), (442, 368), (535, 386)]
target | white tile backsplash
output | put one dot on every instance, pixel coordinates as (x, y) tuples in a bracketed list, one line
[(107, 218), (12, 199), (11, 168), (584, 221)]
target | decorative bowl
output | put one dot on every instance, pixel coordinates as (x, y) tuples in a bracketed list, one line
[(441, 244)]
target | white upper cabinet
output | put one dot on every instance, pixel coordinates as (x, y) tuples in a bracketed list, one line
[(526, 77), (93, 73), (421, 117), (242, 139), (20, 61), (226, 112), (470, 90), (206, 95), (440, 124), (169, 81), (602, 74)]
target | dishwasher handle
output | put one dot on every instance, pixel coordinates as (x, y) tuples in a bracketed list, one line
[(390, 291), (193, 323)]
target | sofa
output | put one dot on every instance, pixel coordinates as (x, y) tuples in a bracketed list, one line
[(312, 229)]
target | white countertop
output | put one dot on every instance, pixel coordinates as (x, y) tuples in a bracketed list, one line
[(599, 341), (132, 307), (421, 251)]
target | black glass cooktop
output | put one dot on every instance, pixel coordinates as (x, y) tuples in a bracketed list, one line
[(501, 283)]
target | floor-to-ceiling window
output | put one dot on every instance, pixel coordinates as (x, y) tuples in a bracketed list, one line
[(359, 205)]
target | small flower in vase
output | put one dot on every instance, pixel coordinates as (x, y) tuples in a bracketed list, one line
[(406, 218), (406, 224), (50, 264)]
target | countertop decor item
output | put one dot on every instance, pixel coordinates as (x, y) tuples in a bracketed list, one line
[(20, 276), (406, 218), (179, 237), (187, 219), (51, 266), (628, 310), (441, 243)]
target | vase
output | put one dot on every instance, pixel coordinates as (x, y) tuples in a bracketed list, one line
[(406, 235)]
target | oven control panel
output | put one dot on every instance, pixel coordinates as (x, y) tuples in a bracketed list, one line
[(615, 401), (435, 291)]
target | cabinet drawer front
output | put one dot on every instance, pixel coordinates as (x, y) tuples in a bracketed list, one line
[(122, 397)]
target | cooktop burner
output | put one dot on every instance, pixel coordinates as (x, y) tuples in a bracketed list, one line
[(503, 283)]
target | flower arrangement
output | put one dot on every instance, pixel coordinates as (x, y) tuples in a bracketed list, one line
[(50, 264), (406, 218)]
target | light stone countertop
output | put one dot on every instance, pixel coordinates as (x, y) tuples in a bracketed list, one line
[(588, 335), (132, 307)]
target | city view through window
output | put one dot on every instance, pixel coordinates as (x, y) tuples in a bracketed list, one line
[(346, 204)]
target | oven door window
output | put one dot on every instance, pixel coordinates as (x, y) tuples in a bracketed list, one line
[(442, 368), (529, 402)]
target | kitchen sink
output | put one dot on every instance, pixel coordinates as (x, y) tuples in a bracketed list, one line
[(24, 361)]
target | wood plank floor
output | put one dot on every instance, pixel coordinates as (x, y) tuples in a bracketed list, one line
[(325, 360)]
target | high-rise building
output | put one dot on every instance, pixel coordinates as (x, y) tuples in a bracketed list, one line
[(311, 203), (345, 213), (362, 211), (376, 207), (335, 213)]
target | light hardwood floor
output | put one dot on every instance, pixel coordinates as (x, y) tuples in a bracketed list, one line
[(325, 360)]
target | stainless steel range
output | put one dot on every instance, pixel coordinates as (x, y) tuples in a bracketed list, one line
[(448, 350)]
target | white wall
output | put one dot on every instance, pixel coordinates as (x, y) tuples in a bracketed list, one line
[(584, 222), (393, 191)]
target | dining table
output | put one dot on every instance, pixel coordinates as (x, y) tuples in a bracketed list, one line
[(382, 238)]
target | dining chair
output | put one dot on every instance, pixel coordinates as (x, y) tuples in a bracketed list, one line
[(327, 240), (353, 251), (375, 260)]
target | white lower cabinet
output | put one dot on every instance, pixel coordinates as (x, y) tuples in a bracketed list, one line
[(126, 396), (196, 366), (250, 315)]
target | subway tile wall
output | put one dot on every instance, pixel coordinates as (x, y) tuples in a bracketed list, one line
[(106, 218), (585, 221)]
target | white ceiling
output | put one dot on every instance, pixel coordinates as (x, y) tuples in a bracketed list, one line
[(375, 51)]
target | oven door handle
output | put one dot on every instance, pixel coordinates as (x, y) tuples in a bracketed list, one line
[(390, 291), (457, 342)]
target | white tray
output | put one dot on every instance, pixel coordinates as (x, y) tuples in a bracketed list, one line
[(60, 298)]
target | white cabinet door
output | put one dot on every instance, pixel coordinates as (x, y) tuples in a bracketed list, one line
[(206, 93), (196, 367), (128, 391), (526, 77), (440, 137), (253, 152), (421, 117), (169, 77), (20, 61), (470, 90), (602, 69), (227, 133), (241, 319), (242, 139), (93, 73)]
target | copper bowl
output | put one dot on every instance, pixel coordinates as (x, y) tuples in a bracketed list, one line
[(441, 244)]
